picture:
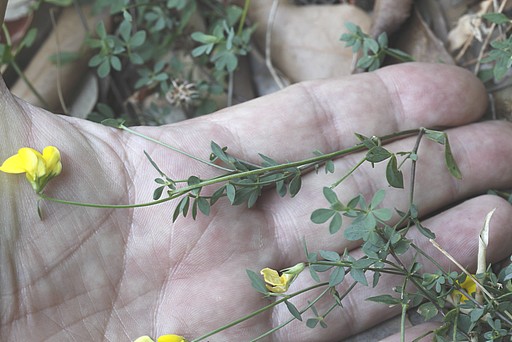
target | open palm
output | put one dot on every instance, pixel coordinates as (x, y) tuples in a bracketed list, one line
[(104, 274)]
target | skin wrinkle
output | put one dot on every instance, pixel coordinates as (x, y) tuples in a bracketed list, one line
[(66, 257), (323, 120), (392, 91)]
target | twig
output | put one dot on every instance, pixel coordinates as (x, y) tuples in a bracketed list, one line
[(463, 269)]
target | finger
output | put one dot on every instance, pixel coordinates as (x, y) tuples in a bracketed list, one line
[(414, 332), (482, 151), (324, 115), (463, 221)]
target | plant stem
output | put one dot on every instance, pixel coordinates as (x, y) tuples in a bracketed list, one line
[(129, 130), (293, 318), (18, 71), (257, 312), (105, 206), (351, 171), (243, 17), (233, 174)]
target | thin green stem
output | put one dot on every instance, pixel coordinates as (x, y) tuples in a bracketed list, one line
[(161, 143), (18, 71), (402, 321), (233, 174), (351, 171), (257, 312), (243, 17), (313, 302), (105, 206)]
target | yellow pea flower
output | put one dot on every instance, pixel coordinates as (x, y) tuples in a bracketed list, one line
[(144, 339), (469, 286), (279, 282), (38, 168), (163, 338), (171, 338)]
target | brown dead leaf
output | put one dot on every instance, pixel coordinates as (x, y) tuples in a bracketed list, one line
[(67, 36), (305, 39), (469, 26), (389, 15), (417, 39)]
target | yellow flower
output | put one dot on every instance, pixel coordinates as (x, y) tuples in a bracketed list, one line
[(279, 282), (163, 338), (38, 168), (171, 338), (144, 339), (469, 286)]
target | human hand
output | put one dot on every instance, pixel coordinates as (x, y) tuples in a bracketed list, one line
[(99, 274)]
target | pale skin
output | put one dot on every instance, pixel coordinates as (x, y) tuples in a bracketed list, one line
[(100, 274)]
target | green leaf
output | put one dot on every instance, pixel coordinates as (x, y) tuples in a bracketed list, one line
[(137, 39), (29, 38), (147, 156), (399, 54), (202, 49), (394, 176), (335, 224), (358, 230), (450, 161), (203, 205), (267, 161), (233, 13), (184, 205), (383, 40), (158, 192), (329, 255), (257, 283), (377, 198), (437, 136), (219, 153), (476, 313), (337, 276), (497, 18), (427, 310), (329, 166), (216, 195), (330, 195), (116, 63), (311, 322), (320, 216), (100, 30), (204, 38), (358, 275), (314, 275), (377, 154), (96, 60), (125, 29), (383, 214), (104, 68), (371, 44), (384, 299), (295, 184), (351, 27), (363, 263), (116, 123), (424, 230), (293, 310)]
